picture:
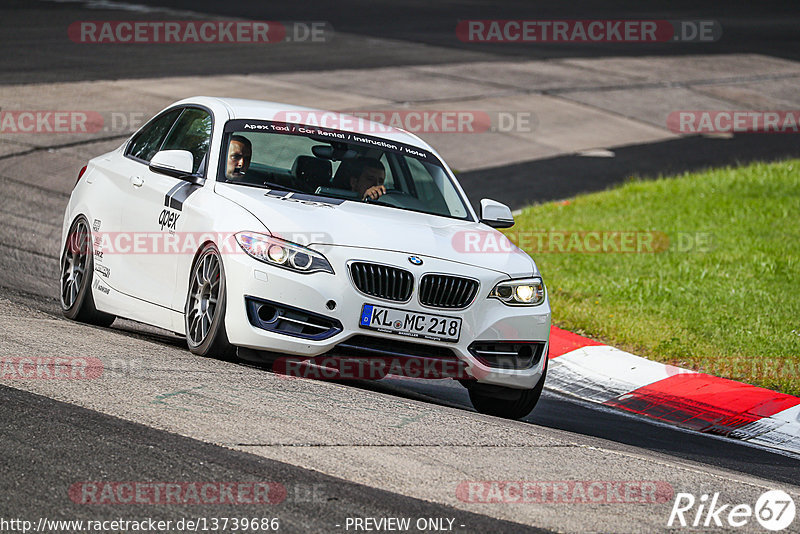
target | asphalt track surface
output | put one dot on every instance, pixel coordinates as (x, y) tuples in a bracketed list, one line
[(419, 32), (80, 444), (564, 176)]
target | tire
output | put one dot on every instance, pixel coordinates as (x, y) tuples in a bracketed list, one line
[(204, 314), (77, 273), (506, 402)]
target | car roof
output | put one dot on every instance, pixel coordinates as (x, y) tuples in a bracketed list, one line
[(240, 108)]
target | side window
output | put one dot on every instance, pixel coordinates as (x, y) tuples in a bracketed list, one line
[(145, 145), (192, 132), (434, 188)]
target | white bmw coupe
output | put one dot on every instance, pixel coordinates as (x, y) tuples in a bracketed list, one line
[(276, 232)]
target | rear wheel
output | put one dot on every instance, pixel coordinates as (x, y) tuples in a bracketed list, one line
[(77, 272), (506, 402), (205, 307)]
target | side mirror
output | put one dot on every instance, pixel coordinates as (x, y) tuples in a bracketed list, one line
[(178, 163), (495, 214)]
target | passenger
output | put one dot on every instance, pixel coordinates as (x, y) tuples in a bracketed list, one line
[(367, 178), (240, 150)]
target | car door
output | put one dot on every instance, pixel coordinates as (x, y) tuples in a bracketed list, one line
[(123, 174), (153, 212)]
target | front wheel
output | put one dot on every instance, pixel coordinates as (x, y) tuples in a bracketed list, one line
[(506, 402), (205, 307), (77, 272)]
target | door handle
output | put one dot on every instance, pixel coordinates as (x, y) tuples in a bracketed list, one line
[(137, 181)]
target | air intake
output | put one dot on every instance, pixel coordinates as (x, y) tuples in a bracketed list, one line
[(290, 321), (508, 354)]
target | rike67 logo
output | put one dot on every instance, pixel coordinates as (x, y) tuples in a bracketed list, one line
[(774, 510)]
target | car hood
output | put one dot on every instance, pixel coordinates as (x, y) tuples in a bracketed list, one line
[(312, 220)]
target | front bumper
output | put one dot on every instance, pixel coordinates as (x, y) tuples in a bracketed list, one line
[(334, 296)]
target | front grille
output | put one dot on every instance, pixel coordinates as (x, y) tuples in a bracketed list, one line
[(382, 281), (444, 291), (508, 354), (289, 320)]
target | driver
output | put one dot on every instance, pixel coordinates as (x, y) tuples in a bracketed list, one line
[(240, 150), (367, 178)]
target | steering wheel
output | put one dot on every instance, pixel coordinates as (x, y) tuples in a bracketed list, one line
[(389, 192)]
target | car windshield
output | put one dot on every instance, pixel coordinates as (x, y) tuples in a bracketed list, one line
[(338, 164)]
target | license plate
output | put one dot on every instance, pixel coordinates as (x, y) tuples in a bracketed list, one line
[(410, 323)]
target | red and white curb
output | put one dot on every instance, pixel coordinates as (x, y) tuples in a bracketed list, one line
[(696, 401)]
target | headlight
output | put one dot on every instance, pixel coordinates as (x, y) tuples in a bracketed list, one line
[(280, 253), (528, 292)]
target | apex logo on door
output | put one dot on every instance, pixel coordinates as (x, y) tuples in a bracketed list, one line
[(168, 220)]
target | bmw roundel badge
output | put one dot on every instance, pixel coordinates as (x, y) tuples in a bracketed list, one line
[(415, 260)]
